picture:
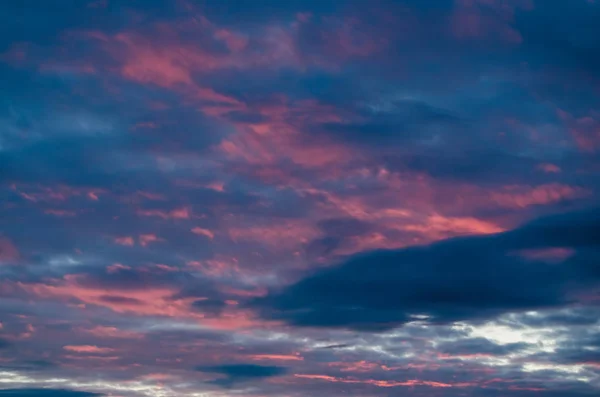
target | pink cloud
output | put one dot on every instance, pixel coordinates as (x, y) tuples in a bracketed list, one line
[(437, 226), (146, 239), (171, 62), (203, 232), (88, 349), (29, 331), (236, 319), (277, 357), (112, 332), (165, 56), (166, 268), (418, 219), (147, 302), (216, 186), (157, 301), (178, 213), (525, 196), (281, 137), (117, 267), (158, 376), (163, 67)]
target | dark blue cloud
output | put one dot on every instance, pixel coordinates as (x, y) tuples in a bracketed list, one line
[(457, 279), (242, 372)]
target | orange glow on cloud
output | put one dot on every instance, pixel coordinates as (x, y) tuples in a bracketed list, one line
[(438, 226), (88, 349), (277, 357), (385, 383)]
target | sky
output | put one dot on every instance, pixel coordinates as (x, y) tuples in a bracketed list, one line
[(286, 198)]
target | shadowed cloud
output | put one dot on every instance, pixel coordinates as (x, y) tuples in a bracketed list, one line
[(242, 372), (457, 279)]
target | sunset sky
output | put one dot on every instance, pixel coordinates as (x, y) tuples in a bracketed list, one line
[(299, 198)]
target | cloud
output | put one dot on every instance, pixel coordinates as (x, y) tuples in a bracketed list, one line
[(222, 184), (88, 349), (457, 279), (395, 122), (46, 393), (242, 372)]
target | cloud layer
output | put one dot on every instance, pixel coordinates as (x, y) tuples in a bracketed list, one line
[(292, 198)]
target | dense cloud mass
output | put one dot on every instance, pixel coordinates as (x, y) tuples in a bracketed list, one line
[(464, 278), (300, 198), (242, 372)]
